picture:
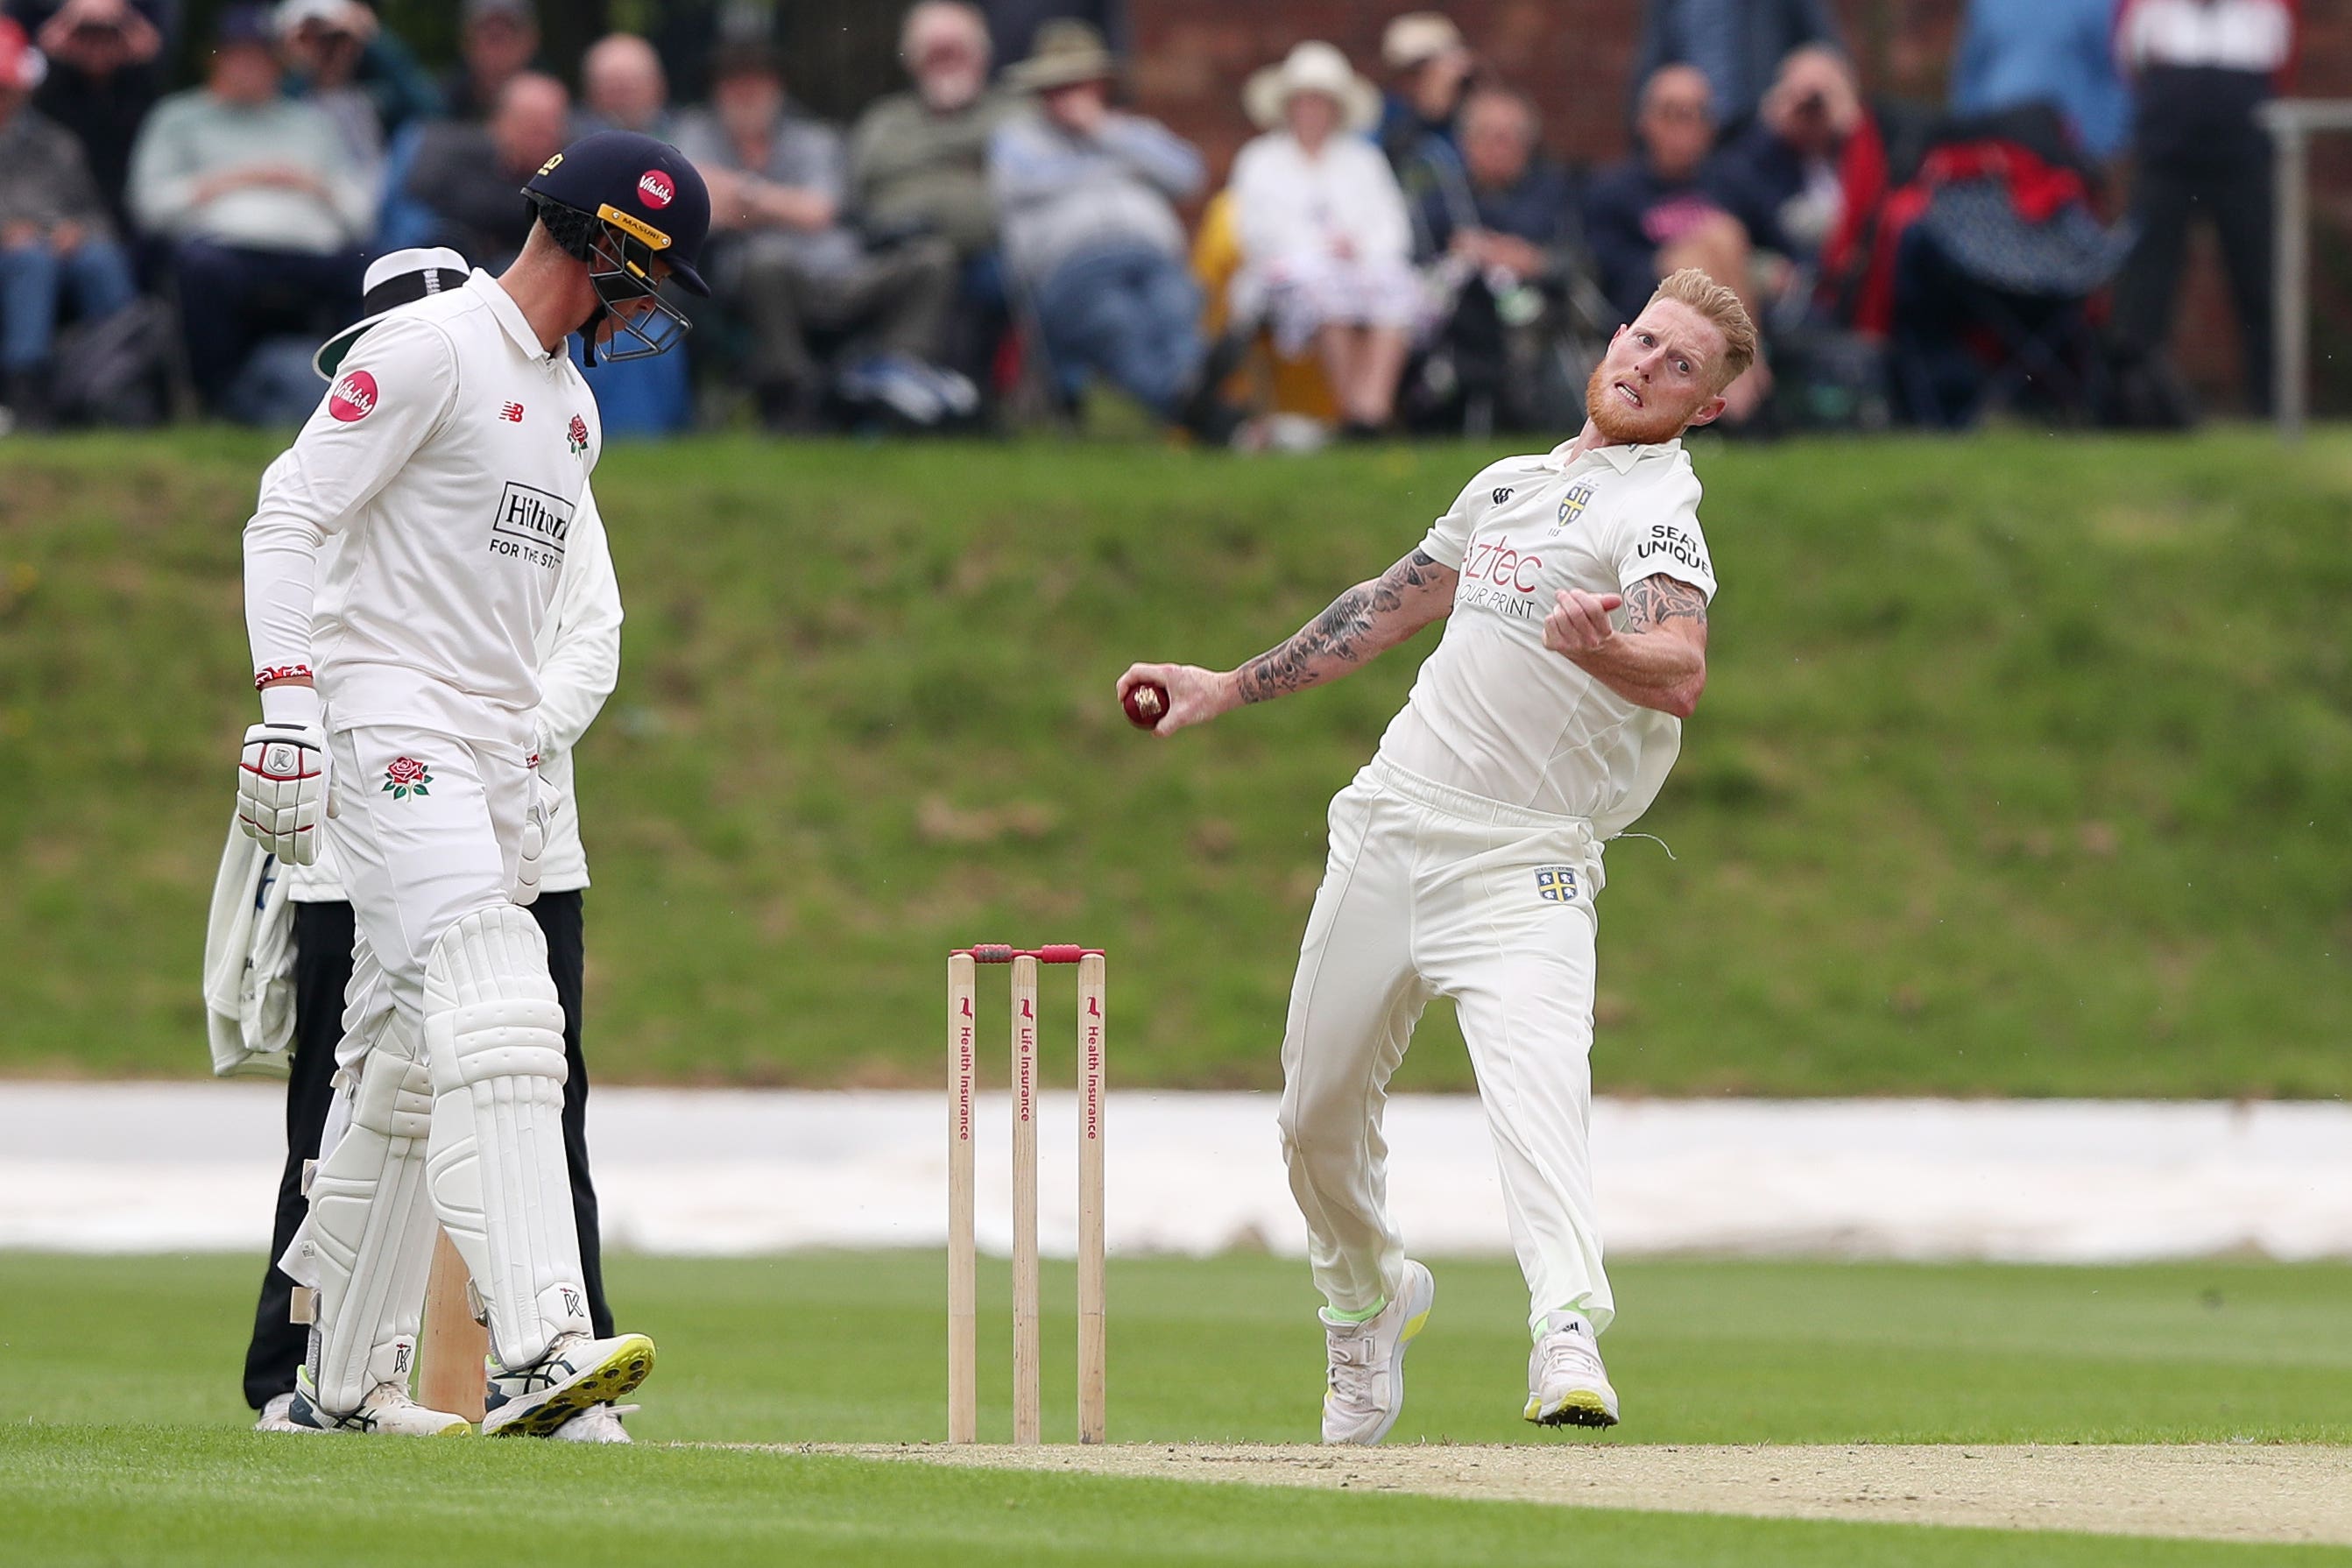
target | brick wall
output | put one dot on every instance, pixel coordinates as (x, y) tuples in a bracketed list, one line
[(1573, 56)]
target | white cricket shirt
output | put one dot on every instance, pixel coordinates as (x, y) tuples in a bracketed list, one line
[(1497, 714), (452, 452), (579, 662)]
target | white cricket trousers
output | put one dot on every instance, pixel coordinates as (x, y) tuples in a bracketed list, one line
[(1430, 891)]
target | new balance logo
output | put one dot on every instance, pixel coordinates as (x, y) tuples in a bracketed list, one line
[(511, 413)]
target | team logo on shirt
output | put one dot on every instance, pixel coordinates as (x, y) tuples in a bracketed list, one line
[(1572, 505), (353, 398), (404, 776), (1556, 884), (577, 435), (657, 188)]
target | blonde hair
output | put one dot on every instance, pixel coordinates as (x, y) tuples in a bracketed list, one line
[(1693, 289)]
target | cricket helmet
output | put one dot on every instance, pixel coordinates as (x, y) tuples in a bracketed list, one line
[(620, 201)]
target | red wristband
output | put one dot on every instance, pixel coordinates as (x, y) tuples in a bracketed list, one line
[(281, 672)]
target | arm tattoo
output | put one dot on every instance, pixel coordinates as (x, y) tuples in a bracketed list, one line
[(1653, 601), (1344, 632)]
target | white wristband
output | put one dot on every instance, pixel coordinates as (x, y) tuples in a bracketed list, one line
[(289, 704)]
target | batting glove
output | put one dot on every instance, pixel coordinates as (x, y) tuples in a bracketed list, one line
[(282, 789)]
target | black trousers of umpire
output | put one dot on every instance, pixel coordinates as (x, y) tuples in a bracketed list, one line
[(323, 968), (2228, 183)]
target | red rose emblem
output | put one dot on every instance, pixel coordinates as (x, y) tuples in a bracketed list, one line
[(578, 434), (353, 398), (656, 189), (404, 776)]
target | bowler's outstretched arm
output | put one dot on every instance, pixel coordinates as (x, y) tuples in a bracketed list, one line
[(1356, 628)]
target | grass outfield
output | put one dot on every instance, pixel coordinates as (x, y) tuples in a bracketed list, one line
[(118, 1410), (2018, 772)]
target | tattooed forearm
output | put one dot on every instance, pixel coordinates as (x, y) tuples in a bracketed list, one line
[(1653, 601), (1360, 624)]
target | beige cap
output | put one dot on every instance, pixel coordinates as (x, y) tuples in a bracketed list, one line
[(1417, 37)]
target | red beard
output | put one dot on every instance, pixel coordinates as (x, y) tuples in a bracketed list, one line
[(1626, 426)]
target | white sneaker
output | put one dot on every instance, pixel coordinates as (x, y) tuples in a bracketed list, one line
[(576, 1372), (1366, 1362), (1566, 1385), (278, 1415), (597, 1424), (387, 1411)]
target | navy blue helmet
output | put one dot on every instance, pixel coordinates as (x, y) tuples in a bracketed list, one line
[(621, 202)]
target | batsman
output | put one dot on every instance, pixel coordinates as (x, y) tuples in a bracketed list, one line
[(1464, 858), (399, 690)]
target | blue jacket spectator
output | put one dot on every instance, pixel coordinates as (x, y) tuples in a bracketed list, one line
[(1430, 70), (1658, 211), (2060, 52), (462, 185), (55, 238), (1782, 175), (1086, 198), (1737, 45)]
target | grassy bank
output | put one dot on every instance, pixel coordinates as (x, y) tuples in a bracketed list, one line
[(2023, 768)]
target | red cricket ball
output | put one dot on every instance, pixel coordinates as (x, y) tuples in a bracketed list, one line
[(1146, 703)]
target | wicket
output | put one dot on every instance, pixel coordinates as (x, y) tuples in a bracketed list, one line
[(963, 1085)]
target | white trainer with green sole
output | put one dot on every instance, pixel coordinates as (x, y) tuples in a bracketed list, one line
[(1566, 1385), (1365, 1375)]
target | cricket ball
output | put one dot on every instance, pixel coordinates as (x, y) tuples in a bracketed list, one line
[(1146, 703)]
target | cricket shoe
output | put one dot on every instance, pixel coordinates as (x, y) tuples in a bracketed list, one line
[(1566, 1385), (575, 1374), (1366, 1373), (278, 1415), (597, 1424), (387, 1411)]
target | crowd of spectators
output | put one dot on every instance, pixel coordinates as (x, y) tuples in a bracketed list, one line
[(1003, 232)]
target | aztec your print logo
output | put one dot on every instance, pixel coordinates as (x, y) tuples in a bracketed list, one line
[(405, 776), (577, 435), (1572, 505), (1556, 884)]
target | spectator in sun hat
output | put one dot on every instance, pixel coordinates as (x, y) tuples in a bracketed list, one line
[(57, 244), (1087, 195), (1326, 240)]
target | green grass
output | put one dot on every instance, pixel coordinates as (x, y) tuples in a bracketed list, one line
[(2021, 771), (118, 1410)]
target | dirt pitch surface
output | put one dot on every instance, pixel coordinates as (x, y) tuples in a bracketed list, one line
[(2218, 1492)]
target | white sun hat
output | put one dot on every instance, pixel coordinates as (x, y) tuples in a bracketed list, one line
[(1312, 67)]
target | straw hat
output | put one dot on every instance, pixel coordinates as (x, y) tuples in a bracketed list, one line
[(1066, 53), (1312, 67)]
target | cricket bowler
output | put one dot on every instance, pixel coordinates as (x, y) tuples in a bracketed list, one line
[(1465, 858), (400, 697)]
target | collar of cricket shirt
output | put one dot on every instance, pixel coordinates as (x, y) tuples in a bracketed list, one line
[(1620, 457), (511, 316)]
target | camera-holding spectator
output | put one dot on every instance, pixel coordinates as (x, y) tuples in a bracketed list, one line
[(463, 187), (57, 240), (1654, 213), (1326, 241), (322, 41), (105, 73), (1736, 46), (2202, 68), (341, 57), (623, 87), (498, 40), (1086, 195), (1784, 167), (1496, 254), (1432, 70), (261, 205), (2060, 52), (918, 160), (785, 259)]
